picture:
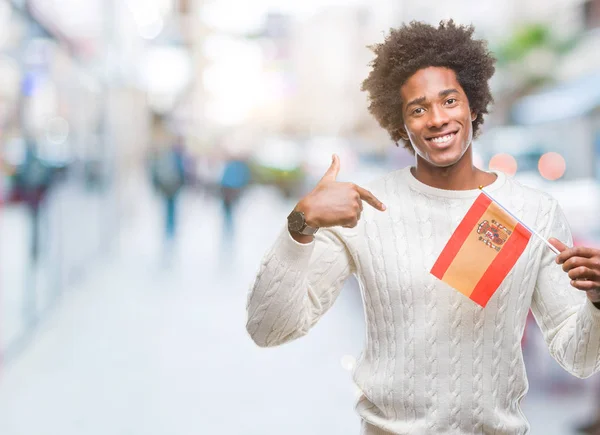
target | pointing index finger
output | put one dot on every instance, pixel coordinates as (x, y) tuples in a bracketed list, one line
[(369, 198)]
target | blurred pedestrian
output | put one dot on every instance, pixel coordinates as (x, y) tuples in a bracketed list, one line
[(235, 178), (435, 362), (168, 177), (32, 180)]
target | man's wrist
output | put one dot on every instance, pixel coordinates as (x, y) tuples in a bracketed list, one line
[(594, 297), (301, 231), (304, 207)]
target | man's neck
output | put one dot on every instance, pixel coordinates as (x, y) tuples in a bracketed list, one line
[(461, 176)]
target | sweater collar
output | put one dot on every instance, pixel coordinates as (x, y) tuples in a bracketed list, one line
[(418, 186)]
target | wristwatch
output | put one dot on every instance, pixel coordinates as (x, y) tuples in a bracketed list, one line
[(297, 224)]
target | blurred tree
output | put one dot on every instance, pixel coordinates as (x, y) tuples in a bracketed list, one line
[(527, 60), (529, 38)]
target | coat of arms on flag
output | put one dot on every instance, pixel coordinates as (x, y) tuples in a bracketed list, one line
[(482, 250)]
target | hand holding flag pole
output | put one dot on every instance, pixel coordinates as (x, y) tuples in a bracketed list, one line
[(482, 250), (487, 244), (552, 248)]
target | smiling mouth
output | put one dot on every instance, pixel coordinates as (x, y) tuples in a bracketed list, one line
[(441, 140)]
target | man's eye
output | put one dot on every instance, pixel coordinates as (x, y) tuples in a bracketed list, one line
[(451, 101), (418, 111)]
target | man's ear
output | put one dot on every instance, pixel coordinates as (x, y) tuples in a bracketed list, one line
[(403, 134), (473, 116)]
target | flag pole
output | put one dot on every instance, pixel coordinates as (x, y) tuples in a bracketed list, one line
[(552, 248)]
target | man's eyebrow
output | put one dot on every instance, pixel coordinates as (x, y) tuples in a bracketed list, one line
[(447, 92), (416, 101)]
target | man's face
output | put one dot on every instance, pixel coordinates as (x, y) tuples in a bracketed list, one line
[(437, 116)]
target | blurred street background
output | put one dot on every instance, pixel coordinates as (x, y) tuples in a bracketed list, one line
[(150, 151)]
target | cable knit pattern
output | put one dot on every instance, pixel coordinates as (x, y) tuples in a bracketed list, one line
[(408, 328), (260, 310), (455, 317), (478, 322), (391, 371), (401, 247), (434, 361), (372, 235), (426, 231), (455, 361), (520, 311), (499, 348)]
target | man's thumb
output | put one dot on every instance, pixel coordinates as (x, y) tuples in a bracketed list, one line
[(557, 244), (333, 170)]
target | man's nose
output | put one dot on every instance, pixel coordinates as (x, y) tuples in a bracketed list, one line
[(437, 118)]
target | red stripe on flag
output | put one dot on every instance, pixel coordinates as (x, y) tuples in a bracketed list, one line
[(501, 265), (459, 236)]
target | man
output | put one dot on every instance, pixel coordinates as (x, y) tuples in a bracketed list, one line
[(434, 362)]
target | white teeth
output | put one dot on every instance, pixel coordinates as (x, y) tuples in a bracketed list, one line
[(442, 139)]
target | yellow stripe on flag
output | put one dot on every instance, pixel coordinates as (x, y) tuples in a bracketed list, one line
[(474, 256)]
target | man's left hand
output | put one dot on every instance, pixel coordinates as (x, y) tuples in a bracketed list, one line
[(583, 266)]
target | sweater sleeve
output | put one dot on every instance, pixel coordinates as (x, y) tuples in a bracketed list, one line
[(570, 323), (296, 284)]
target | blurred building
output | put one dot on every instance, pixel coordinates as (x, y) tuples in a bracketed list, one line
[(557, 110), (78, 88), (330, 60)]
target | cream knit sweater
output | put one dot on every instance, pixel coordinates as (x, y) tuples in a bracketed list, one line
[(434, 361)]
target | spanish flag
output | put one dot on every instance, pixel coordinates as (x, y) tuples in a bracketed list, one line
[(482, 251)]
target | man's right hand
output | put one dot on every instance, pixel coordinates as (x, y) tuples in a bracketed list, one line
[(332, 203)]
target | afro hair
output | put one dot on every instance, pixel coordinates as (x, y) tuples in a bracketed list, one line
[(417, 46)]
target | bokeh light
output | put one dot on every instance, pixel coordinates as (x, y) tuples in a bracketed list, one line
[(151, 30), (552, 166), (348, 362), (57, 130), (503, 162)]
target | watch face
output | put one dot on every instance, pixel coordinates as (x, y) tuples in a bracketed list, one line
[(296, 221)]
